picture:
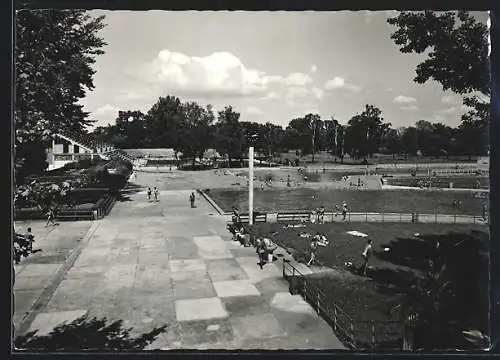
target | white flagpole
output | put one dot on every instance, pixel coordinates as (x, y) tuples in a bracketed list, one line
[(250, 185)]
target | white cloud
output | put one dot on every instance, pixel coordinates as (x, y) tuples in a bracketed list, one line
[(401, 99), (125, 95), (409, 108), (450, 110), (448, 100), (314, 68), (254, 111), (318, 93), (297, 92), (220, 73), (335, 83), (104, 115), (297, 79), (271, 96), (339, 83)]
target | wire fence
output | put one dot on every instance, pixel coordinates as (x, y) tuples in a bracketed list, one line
[(354, 333)]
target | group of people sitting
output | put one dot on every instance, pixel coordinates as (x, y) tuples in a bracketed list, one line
[(23, 245), (263, 245)]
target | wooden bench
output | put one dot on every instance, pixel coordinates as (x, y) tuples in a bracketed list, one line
[(294, 216), (257, 218)]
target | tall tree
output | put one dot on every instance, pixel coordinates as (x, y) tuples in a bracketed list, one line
[(457, 57), (365, 132), (131, 126), (163, 121), (314, 122), (229, 138), (54, 53), (194, 134)]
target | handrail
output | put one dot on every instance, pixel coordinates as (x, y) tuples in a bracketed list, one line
[(343, 325)]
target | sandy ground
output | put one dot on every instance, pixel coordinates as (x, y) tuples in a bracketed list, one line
[(237, 179)]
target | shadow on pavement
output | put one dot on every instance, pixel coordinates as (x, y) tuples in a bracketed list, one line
[(129, 189), (87, 334)]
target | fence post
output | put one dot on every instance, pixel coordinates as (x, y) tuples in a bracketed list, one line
[(383, 217), (283, 267), (454, 218), (372, 323), (366, 217), (317, 302), (349, 216), (351, 326), (335, 317), (400, 217)]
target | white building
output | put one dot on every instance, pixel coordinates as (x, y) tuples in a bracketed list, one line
[(67, 148)]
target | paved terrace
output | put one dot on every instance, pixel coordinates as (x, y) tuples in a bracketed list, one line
[(150, 264)]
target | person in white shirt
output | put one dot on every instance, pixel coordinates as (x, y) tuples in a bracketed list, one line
[(366, 254)]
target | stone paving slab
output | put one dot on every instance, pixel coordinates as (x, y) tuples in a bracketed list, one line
[(187, 265), (23, 283), (213, 331), (45, 322), (199, 309), (182, 248), (63, 298), (194, 287), (47, 270), (235, 288), (257, 326), (225, 270), (161, 268)]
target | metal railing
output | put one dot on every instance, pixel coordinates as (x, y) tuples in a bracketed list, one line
[(392, 217), (355, 334)]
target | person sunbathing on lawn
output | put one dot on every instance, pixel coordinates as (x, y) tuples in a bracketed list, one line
[(320, 239)]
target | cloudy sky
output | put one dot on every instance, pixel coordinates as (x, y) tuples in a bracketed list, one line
[(270, 66)]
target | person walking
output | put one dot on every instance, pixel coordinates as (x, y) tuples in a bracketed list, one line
[(321, 215), (149, 194), (365, 255), (261, 252), (312, 251), (156, 193), (50, 216), (192, 199), (345, 209)]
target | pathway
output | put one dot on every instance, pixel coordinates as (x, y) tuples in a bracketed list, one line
[(155, 263)]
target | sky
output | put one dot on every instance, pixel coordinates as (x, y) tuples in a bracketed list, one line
[(269, 66)]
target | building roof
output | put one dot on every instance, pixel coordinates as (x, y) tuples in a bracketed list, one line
[(83, 139)]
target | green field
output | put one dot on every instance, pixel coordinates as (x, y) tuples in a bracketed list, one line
[(404, 201), (371, 298)]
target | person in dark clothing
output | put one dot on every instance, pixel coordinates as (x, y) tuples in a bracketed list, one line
[(365, 255), (192, 199), (30, 239), (149, 194), (261, 252), (50, 216)]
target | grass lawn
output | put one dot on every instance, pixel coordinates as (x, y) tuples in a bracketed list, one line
[(405, 201), (366, 298)]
